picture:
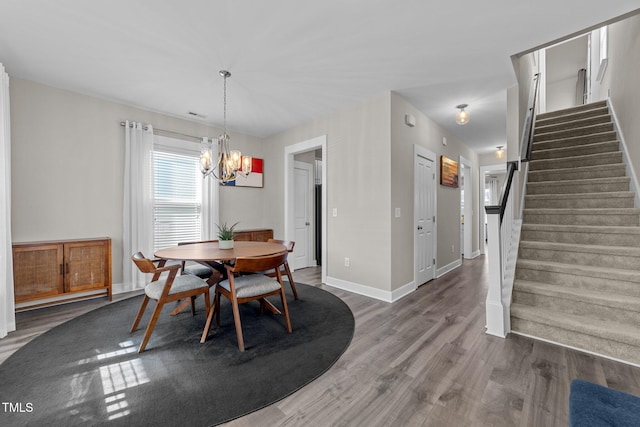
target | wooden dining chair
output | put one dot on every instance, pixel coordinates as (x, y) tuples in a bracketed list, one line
[(240, 289), (172, 288), (285, 267)]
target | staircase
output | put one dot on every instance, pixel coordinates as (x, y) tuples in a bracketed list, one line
[(578, 269)]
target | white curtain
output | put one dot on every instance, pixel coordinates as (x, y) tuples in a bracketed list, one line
[(138, 199), (7, 307), (493, 191)]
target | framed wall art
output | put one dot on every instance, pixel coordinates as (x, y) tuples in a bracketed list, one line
[(448, 172), (254, 179)]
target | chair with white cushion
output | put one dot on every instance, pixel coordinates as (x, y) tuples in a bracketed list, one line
[(240, 289), (171, 288)]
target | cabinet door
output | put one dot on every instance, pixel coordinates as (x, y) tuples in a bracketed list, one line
[(86, 265), (37, 271)]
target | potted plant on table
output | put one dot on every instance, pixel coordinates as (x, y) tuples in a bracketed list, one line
[(225, 234)]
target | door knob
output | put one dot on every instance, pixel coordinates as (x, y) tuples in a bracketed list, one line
[(307, 223)]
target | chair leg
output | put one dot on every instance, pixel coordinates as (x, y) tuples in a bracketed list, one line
[(151, 326), (286, 311), (290, 277), (207, 325), (207, 302), (193, 305), (236, 320), (181, 306), (217, 308), (143, 306)]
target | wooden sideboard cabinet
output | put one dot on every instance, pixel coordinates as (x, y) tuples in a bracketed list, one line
[(52, 272), (257, 235)]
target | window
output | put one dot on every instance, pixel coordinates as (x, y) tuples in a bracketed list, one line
[(181, 198)]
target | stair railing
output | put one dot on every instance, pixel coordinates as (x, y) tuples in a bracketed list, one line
[(503, 232)]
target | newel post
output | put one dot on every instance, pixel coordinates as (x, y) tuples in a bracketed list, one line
[(495, 311)]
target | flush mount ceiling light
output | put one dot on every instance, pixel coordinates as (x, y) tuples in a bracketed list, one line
[(462, 117), (230, 163), (500, 151)]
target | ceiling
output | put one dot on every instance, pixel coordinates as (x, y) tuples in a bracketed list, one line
[(291, 61)]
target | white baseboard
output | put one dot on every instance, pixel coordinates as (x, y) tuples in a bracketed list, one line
[(447, 268), (121, 288), (370, 292)]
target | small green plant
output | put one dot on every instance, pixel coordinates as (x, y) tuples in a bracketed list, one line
[(225, 232)]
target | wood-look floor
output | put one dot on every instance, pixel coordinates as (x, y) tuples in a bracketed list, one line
[(421, 361)]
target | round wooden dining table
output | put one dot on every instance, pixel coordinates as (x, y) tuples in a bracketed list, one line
[(210, 251)]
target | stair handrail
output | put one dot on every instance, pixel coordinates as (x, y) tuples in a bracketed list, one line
[(525, 149), (503, 233), (526, 143)]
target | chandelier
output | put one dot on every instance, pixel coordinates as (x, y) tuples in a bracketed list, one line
[(230, 163)]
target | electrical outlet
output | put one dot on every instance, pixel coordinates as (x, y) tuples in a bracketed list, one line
[(453, 248), (347, 262)]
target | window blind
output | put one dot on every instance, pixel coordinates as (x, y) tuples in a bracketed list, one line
[(177, 205)]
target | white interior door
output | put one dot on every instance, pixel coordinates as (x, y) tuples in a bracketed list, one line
[(303, 205), (424, 215)]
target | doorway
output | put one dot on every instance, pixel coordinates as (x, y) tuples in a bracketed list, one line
[(491, 181), (290, 191), (466, 209)]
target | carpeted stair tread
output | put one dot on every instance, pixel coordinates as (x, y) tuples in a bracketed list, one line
[(610, 211), (604, 195), (581, 160), (583, 185), (572, 110), (572, 122), (614, 199), (605, 299), (572, 116), (576, 247), (576, 150), (579, 324), (608, 235), (582, 228), (573, 141), (581, 254), (584, 172), (585, 130), (582, 270)]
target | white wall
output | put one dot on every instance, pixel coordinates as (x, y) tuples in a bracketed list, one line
[(563, 61), (358, 186), (621, 81)]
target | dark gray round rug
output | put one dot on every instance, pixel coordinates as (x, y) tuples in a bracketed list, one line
[(87, 371)]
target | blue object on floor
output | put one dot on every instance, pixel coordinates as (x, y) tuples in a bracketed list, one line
[(594, 405)]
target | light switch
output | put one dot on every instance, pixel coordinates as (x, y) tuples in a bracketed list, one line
[(397, 212), (335, 211)]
